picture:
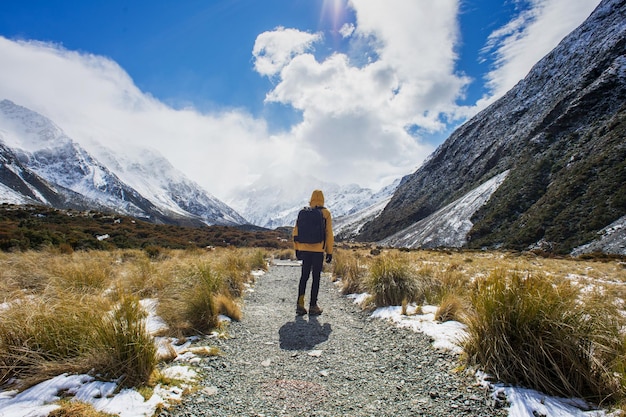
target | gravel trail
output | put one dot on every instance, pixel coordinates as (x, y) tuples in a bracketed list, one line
[(341, 363)]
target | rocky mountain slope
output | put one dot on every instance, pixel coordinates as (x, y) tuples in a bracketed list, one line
[(560, 134), (40, 164)]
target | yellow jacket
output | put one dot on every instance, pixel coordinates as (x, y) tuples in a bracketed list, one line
[(317, 200)]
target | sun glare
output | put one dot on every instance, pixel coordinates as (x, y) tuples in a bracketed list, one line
[(334, 11)]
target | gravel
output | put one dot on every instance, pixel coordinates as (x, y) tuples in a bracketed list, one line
[(342, 363)]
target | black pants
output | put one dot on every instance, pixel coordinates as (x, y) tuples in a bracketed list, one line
[(311, 261)]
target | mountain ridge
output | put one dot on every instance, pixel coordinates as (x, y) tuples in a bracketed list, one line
[(546, 130), (47, 167)]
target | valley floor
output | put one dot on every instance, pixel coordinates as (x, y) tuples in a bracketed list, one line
[(343, 362)]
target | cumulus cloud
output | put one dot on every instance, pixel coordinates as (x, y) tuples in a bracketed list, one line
[(94, 100), (273, 50), (359, 109), (357, 115), (522, 42)]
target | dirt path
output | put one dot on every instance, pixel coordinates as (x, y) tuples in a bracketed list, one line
[(341, 363)]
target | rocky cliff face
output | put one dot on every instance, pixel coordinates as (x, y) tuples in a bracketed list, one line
[(560, 131)]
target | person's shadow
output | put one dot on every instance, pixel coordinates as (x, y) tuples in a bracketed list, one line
[(303, 335)]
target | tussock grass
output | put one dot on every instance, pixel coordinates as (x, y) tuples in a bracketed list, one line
[(121, 344), (235, 271), (69, 408), (257, 260), (351, 269), (391, 280), (81, 272), (80, 312), (553, 324), (450, 308), (525, 329), (36, 333), (285, 254), (43, 337), (228, 307)]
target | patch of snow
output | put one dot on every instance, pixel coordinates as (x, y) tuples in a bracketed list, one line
[(611, 239), (449, 226)]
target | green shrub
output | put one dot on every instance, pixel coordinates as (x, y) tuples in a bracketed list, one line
[(527, 330)]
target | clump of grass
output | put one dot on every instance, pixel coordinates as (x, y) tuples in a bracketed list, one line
[(451, 282), (42, 337), (124, 350), (340, 264), (450, 308), (285, 254), (236, 273), (37, 333), (200, 309), (391, 280), (69, 408), (257, 260), (527, 330), (81, 273), (228, 307), (353, 281), (24, 271)]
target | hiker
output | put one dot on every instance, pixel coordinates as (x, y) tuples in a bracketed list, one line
[(312, 237)]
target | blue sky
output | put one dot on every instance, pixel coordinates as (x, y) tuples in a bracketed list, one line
[(359, 91)]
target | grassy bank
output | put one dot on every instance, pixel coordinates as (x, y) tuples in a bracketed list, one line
[(83, 312), (550, 324)]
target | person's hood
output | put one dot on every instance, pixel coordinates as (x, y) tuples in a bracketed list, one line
[(317, 199)]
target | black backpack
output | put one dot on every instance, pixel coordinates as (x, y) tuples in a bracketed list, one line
[(311, 226)]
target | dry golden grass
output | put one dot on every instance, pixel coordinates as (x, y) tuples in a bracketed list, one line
[(79, 311), (69, 408), (450, 308), (551, 324), (228, 307), (285, 254)]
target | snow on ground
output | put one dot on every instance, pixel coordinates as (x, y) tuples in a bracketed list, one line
[(449, 335), (40, 400)]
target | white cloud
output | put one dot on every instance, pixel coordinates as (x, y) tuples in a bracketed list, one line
[(537, 30), (400, 75), (273, 50), (92, 99), (356, 117), (347, 30)]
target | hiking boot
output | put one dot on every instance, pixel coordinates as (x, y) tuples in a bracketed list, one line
[(300, 310), (314, 310)]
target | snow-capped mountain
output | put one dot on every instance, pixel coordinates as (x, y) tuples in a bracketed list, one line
[(275, 199), (559, 133), (153, 176), (37, 155)]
